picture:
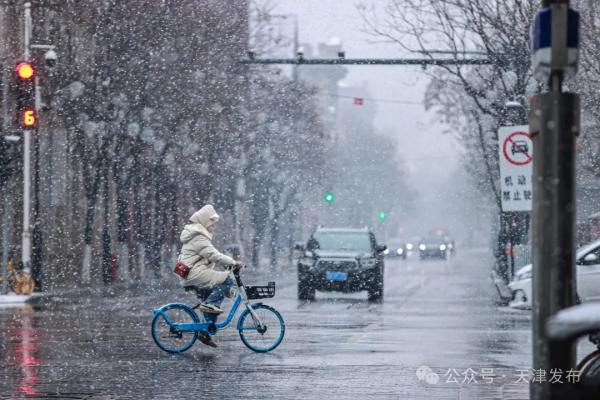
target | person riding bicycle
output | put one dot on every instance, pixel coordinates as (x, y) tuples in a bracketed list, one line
[(198, 252)]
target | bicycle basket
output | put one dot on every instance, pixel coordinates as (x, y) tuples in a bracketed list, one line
[(260, 292)]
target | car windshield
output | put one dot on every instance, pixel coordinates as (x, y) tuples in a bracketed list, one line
[(434, 239), (343, 241), (395, 243)]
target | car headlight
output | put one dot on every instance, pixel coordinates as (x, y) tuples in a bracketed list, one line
[(422, 247), (443, 247), (386, 252), (400, 251), (409, 246)]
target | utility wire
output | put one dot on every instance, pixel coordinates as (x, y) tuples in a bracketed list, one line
[(372, 99)]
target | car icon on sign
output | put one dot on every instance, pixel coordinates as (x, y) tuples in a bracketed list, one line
[(519, 146)]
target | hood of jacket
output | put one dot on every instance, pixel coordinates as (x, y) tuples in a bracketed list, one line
[(200, 221)]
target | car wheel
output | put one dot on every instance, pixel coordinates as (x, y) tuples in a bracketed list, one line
[(306, 290), (375, 288)]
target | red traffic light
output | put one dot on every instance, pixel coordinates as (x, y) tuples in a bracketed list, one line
[(28, 118), (25, 70)]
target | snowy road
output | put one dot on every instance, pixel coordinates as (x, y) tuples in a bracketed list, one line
[(435, 314)]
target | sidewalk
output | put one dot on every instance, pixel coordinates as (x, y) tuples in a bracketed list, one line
[(12, 299)]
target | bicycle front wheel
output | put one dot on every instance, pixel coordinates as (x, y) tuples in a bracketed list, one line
[(165, 332), (265, 337)]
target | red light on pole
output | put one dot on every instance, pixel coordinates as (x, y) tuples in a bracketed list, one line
[(28, 118), (25, 71)]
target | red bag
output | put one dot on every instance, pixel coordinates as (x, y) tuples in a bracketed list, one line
[(182, 269)]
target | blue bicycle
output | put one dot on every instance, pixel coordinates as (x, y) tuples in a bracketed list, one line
[(175, 326)]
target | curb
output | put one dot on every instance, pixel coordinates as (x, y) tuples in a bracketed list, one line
[(504, 292)]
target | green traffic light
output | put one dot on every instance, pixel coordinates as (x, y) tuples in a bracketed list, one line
[(382, 215), (329, 197)]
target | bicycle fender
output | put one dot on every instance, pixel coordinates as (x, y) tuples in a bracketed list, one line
[(170, 305)]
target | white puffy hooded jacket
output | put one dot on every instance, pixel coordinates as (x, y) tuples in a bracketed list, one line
[(199, 253)]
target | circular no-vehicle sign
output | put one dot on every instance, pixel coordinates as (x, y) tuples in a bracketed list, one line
[(517, 148)]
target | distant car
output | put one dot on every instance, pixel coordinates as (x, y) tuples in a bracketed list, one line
[(434, 246), (396, 248), (441, 232), (341, 259), (412, 244), (588, 278)]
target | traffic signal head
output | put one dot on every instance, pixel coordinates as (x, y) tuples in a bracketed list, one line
[(329, 197), (25, 71), (382, 215), (25, 95)]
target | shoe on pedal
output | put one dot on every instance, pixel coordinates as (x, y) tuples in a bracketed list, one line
[(206, 339), (209, 308)]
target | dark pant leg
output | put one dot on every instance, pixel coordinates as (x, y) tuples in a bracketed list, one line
[(216, 297)]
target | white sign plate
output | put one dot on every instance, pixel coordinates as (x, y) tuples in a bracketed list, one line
[(515, 150)]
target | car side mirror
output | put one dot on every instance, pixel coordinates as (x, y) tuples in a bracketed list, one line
[(312, 245), (381, 248), (590, 259)]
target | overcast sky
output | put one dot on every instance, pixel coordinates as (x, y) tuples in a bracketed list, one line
[(430, 155), (320, 20)]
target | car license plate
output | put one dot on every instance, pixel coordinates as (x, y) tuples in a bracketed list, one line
[(337, 276)]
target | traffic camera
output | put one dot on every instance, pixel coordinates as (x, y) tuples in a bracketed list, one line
[(50, 57)]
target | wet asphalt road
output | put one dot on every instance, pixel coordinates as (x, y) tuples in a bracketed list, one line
[(437, 314)]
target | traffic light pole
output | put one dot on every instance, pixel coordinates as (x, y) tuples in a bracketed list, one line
[(26, 243), (4, 241), (554, 122)]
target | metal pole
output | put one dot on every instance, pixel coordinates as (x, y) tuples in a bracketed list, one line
[(48, 229), (554, 121), (296, 47), (26, 245), (511, 234), (36, 260), (27, 33), (5, 241), (367, 61)]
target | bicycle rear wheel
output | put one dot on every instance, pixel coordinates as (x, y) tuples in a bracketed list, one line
[(165, 332), (266, 337)]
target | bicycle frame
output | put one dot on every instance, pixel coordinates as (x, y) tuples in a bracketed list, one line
[(204, 326)]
